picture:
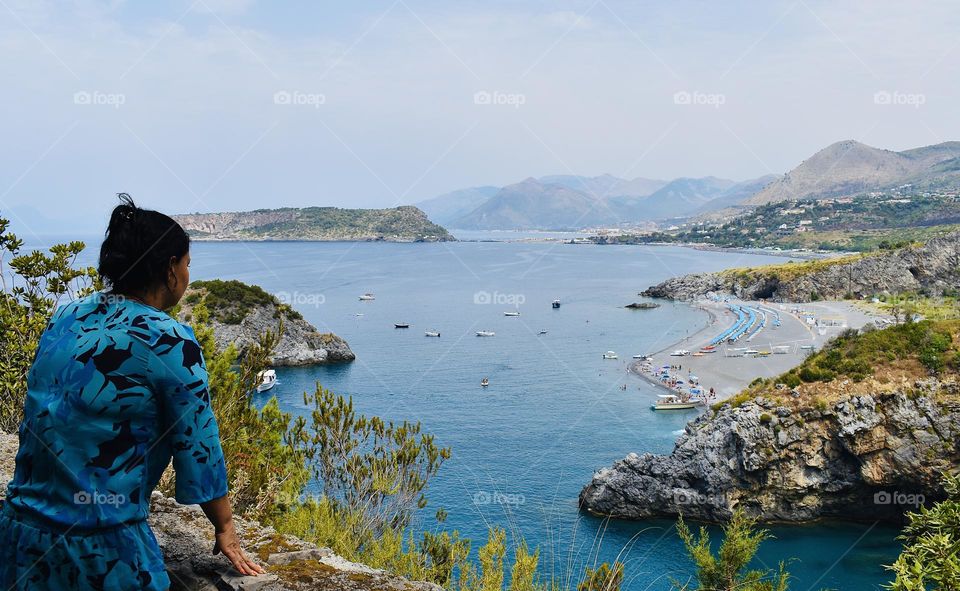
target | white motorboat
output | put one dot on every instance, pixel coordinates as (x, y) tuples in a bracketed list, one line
[(431, 333), (556, 304), (485, 382), (367, 297), (268, 379), (511, 313), (673, 402), (485, 333), (680, 353), (610, 355)]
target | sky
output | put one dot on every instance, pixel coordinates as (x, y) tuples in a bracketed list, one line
[(227, 105)]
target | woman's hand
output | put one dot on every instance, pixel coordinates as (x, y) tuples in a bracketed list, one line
[(221, 516), (229, 545)]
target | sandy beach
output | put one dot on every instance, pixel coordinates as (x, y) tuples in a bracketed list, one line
[(802, 328)]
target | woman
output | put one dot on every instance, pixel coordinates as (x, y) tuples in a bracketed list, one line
[(116, 390)]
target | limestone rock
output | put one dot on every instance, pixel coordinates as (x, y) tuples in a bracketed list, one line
[(796, 466)]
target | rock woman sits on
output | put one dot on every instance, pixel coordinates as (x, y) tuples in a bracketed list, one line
[(117, 389)]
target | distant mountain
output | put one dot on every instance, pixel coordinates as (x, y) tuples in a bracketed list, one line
[(534, 205), (605, 185), (450, 206), (537, 204), (398, 224), (732, 199), (849, 167)]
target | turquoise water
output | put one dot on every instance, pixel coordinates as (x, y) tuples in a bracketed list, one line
[(553, 414)]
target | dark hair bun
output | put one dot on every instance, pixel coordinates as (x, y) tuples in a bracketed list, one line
[(139, 243)]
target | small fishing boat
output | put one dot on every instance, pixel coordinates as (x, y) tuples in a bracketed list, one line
[(431, 333), (556, 304), (672, 402), (511, 313), (367, 297), (641, 356), (268, 379), (485, 333), (542, 332), (680, 353), (401, 325), (484, 382), (610, 355)]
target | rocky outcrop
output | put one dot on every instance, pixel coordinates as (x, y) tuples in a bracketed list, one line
[(932, 268), (186, 539), (864, 457), (240, 321), (397, 224)]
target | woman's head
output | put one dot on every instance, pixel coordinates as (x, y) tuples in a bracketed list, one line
[(145, 254)]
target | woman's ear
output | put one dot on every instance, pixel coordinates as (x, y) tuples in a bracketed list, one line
[(171, 273)]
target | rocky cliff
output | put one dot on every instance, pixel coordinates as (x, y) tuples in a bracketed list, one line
[(240, 313), (186, 539), (865, 456), (932, 268), (398, 224)]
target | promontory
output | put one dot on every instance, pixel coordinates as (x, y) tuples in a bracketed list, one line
[(397, 224)]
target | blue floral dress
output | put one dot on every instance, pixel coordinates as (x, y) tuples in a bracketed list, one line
[(117, 389)]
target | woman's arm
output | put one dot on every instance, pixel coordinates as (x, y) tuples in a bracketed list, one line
[(220, 515)]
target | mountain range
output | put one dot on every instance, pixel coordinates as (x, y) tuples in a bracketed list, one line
[(571, 202)]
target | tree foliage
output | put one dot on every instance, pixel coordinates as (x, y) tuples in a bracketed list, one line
[(930, 560), (32, 284), (728, 569)]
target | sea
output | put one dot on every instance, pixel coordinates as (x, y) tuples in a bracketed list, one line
[(555, 411)]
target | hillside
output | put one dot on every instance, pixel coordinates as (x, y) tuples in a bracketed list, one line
[(399, 224), (931, 269), (605, 184), (850, 167), (864, 223), (855, 432)]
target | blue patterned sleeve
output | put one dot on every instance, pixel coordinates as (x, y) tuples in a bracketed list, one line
[(189, 423)]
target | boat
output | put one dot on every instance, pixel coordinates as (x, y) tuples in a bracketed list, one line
[(401, 325), (680, 353), (542, 332), (367, 297), (431, 333), (511, 313), (268, 379), (358, 314), (485, 333), (642, 356), (610, 355), (555, 304), (672, 402), (484, 382)]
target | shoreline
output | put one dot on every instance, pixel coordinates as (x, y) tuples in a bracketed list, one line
[(803, 328)]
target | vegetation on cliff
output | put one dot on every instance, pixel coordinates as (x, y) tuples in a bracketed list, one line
[(231, 301), (884, 359)]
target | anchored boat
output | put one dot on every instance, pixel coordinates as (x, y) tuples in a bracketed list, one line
[(673, 402), (268, 379)]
